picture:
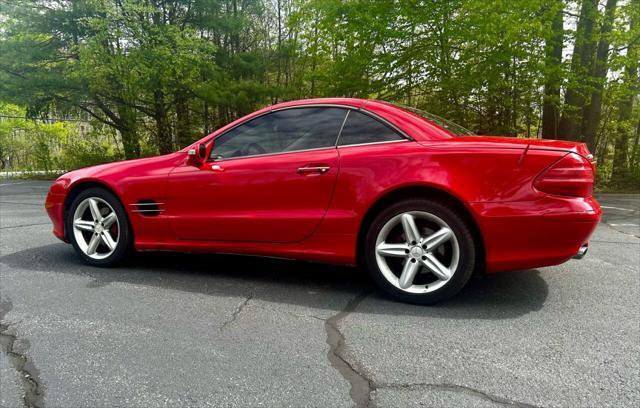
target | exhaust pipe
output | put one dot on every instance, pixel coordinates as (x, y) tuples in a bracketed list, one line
[(581, 252)]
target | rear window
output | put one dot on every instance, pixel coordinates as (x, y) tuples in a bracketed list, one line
[(360, 128), (449, 126)]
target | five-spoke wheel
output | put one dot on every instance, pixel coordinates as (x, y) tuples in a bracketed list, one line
[(419, 251), (422, 244), (98, 227)]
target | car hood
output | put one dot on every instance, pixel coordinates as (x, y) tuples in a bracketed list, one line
[(116, 172)]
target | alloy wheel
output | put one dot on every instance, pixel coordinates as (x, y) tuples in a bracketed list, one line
[(417, 252), (96, 228)]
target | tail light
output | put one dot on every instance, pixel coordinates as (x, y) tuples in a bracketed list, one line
[(573, 175)]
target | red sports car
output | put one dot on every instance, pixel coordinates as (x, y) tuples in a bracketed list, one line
[(419, 201)]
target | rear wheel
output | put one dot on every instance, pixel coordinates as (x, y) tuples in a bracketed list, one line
[(419, 251), (98, 227)]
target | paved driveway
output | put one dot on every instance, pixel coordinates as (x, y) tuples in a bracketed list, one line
[(194, 330)]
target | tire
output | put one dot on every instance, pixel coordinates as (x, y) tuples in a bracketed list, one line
[(110, 250), (389, 251)]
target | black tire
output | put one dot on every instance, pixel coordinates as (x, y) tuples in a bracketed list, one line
[(467, 253), (125, 239)]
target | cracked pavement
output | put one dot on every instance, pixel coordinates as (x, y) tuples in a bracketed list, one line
[(220, 330)]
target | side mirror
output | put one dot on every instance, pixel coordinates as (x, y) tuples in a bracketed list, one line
[(198, 155)]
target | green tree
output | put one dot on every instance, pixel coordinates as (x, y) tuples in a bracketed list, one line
[(554, 44)]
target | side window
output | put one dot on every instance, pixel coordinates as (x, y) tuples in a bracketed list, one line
[(281, 131), (360, 128)]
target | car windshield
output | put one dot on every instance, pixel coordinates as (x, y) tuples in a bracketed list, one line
[(447, 125)]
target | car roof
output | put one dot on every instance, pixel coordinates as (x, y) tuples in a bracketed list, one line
[(353, 102), (412, 124)]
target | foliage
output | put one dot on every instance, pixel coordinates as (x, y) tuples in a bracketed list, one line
[(153, 75), (27, 144)]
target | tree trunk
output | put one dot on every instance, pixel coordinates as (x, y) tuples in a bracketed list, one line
[(583, 49), (279, 51), (163, 133), (183, 132), (624, 129), (314, 61), (128, 132), (235, 37), (553, 61), (633, 162), (121, 117), (591, 116)]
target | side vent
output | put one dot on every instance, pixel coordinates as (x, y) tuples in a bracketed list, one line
[(148, 208)]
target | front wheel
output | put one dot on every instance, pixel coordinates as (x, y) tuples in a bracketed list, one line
[(98, 227), (419, 251)]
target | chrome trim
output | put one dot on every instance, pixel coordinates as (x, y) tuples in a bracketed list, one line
[(581, 252), (309, 150), (319, 169), (270, 154), (345, 107), (313, 105), (157, 210), (147, 208), (327, 105), (375, 143), (342, 127), (154, 203)]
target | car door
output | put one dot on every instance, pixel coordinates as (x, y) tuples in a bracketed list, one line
[(270, 179)]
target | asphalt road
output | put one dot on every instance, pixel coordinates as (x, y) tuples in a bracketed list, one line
[(195, 330)]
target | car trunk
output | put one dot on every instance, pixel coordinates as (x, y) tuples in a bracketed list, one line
[(499, 142)]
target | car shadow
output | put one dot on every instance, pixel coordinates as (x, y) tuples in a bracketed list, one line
[(326, 287)]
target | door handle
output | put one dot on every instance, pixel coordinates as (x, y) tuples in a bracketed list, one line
[(313, 169), (217, 167)]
